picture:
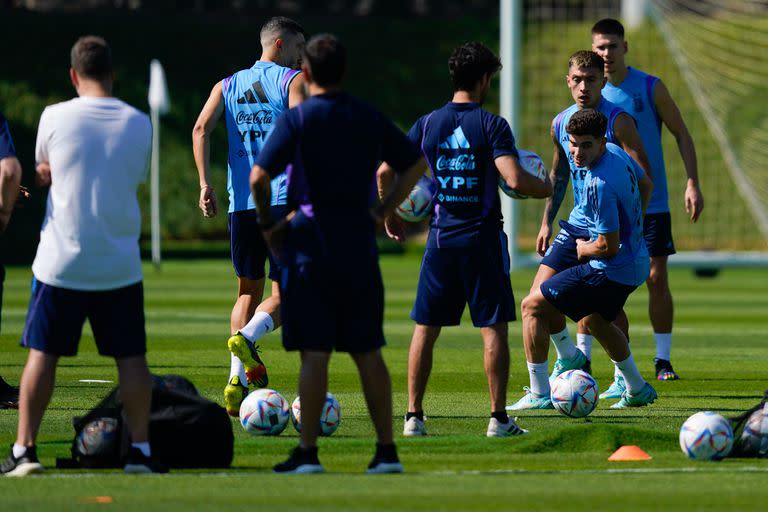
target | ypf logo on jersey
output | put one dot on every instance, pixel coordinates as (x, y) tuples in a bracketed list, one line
[(454, 163)]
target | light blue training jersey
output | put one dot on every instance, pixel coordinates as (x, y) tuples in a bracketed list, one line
[(611, 111), (253, 100), (612, 202), (636, 95)]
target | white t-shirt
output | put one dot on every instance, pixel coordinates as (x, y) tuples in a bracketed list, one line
[(98, 150)]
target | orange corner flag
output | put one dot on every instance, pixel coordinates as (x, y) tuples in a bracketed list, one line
[(630, 452)]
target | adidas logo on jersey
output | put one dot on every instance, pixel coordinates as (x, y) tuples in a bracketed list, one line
[(249, 97), (456, 140)]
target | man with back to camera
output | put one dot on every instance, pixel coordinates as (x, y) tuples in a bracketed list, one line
[(251, 100), (10, 187), (585, 80), (614, 261), (648, 100), (466, 260), (95, 149), (330, 282)]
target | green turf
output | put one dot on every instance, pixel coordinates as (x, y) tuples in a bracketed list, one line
[(719, 350)]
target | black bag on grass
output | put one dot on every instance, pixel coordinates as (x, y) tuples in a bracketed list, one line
[(185, 430)]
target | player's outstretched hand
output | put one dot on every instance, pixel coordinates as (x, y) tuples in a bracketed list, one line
[(43, 174), (694, 201), (542, 240), (208, 203), (395, 228)]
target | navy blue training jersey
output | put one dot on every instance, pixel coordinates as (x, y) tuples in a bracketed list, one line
[(335, 144), (6, 142), (460, 142)]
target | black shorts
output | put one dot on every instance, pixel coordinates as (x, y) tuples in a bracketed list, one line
[(326, 307), (657, 230), (56, 316), (452, 278), (248, 249)]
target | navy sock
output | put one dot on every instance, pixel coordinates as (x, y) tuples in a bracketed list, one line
[(418, 415), (501, 416)]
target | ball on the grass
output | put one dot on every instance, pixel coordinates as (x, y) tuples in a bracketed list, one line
[(574, 393), (330, 416), (706, 436), (264, 412)]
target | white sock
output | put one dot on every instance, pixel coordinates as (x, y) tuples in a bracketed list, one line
[(18, 450), (539, 376), (258, 326), (236, 368), (563, 344), (631, 374), (663, 345), (144, 447), (584, 343)]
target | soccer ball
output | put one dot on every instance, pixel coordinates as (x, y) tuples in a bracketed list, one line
[(753, 441), (706, 436), (574, 393), (532, 164), (264, 412), (418, 204), (98, 437), (330, 416)]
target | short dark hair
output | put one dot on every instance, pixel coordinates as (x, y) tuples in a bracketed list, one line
[(586, 59), (326, 58), (587, 122), (609, 26), (469, 63), (92, 58), (281, 25)]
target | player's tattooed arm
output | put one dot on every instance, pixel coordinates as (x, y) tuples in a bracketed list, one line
[(670, 115), (559, 175), (10, 186), (626, 133), (262, 194), (201, 148)]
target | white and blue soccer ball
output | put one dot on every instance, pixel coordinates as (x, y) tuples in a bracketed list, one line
[(418, 205), (330, 416), (574, 393), (532, 164), (264, 412), (706, 436)]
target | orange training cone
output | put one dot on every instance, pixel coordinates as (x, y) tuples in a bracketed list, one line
[(630, 452)]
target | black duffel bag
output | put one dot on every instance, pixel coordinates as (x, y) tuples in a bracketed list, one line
[(185, 430)]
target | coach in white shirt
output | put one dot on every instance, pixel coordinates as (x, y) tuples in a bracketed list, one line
[(94, 152)]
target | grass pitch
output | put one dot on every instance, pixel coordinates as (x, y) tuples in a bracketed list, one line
[(719, 350)]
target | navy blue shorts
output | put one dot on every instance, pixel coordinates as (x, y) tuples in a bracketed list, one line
[(326, 307), (561, 254), (583, 290), (450, 278), (56, 316), (657, 230), (247, 246)]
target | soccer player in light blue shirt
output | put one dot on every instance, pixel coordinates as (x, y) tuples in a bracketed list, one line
[(648, 100), (614, 260), (251, 101)]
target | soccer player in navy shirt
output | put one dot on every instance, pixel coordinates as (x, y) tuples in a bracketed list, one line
[(330, 282), (650, 103), (614, 261), (466, 260), (10, 186)]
